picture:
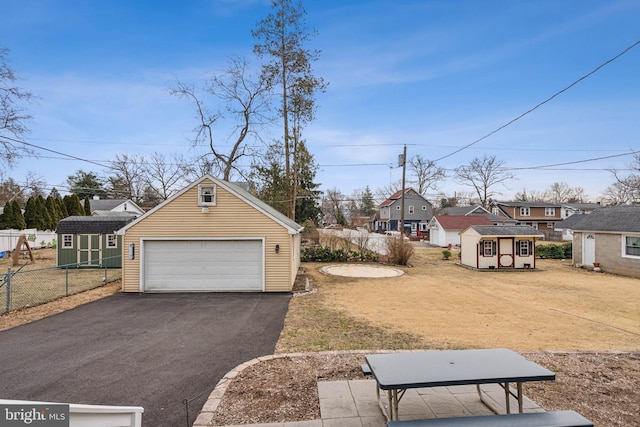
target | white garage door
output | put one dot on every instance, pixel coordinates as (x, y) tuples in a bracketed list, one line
[(203, 265)]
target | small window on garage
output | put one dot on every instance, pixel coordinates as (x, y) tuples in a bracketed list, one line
[(67, 241), (206, 195), (112, 241)]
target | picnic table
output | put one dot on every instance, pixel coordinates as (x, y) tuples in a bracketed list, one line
[(397, 372)]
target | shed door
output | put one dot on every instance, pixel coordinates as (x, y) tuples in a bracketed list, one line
[(202, 265), (89, 250), (505, 253), (588, 248)]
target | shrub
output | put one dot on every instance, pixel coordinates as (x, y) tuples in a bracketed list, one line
[(399, 251), (446, 254), (554, 251)]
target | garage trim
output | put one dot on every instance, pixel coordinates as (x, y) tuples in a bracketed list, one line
[(182, 238)]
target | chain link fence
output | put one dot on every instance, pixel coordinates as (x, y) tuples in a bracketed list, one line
[(21, 288)]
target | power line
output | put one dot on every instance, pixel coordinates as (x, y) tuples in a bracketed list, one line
[(541, 103), (53, 151)]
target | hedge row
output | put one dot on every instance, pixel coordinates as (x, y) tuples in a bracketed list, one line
[(555, 251), (320, 254)]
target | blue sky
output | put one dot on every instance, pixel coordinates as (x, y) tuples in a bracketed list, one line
[(434, 75)]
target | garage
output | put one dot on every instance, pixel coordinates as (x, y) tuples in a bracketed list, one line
[(203, 265), (211, 236)]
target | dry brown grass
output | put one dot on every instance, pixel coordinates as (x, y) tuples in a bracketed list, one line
[(558, 307)]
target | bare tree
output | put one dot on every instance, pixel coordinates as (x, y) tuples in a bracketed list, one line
[(333, 207), (13, 117), (531, 196), (165, 176), (483, 174), (243, 100), (626, 188), (129, 177), (427, 174)]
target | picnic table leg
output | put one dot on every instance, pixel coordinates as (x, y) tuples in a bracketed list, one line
[(520, 397), (390, 403), (507, 402)]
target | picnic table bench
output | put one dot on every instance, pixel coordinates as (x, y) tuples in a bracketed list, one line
[(530, 419)]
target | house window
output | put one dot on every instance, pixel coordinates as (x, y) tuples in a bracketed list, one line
[(549, 211), (206, 195), (632, 246), (524, 247), (411, 210), (487, 248), (525, 211), (67, 241), (551, 225), (112, 241), (495, 211)]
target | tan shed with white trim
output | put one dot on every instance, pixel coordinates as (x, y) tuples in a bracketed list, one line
[(211, 236)]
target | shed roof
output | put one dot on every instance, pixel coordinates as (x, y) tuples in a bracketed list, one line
[(91, 224), (611, 219), (505, 230), (460, 222)]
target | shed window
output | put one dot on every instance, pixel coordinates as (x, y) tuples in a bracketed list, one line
[(206, 195), (112, 241), (67, 241), (632, 246), (488, 248), (524, 248)]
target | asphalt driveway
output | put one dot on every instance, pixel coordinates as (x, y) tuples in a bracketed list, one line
[(151, 350)]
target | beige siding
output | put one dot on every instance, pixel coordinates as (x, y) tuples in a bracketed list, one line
[(609, 250), (230, 218)]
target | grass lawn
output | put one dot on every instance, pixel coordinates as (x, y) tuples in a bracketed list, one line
[(439, 304)]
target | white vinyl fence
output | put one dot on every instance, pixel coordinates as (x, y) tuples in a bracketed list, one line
[(37, 238)]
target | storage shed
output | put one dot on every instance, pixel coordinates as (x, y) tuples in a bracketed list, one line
[(211, 236), (494, 246), (90, 241)]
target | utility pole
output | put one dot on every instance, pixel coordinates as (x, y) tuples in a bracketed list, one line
[(404, 172)]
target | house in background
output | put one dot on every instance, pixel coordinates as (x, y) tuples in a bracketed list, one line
[(497, 247), (417, 213), (444, 230), (114, 207), (211, 236), (609, 236), (475, 210), (90, 241), (542, 216), (567, 225), (569, 209)]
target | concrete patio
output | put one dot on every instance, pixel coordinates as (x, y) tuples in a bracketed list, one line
[(353, 403)]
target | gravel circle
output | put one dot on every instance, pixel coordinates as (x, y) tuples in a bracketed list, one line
[(363, 271)]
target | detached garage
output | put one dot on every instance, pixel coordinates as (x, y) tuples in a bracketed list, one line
[(212, 236)]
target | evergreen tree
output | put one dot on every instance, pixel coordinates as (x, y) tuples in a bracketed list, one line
[(62, 208), (73, 205), (2, 216), (307, 207), (367, 205), (87, 206), (17, 219), (54, 212), (31, 213), (44, 221)]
